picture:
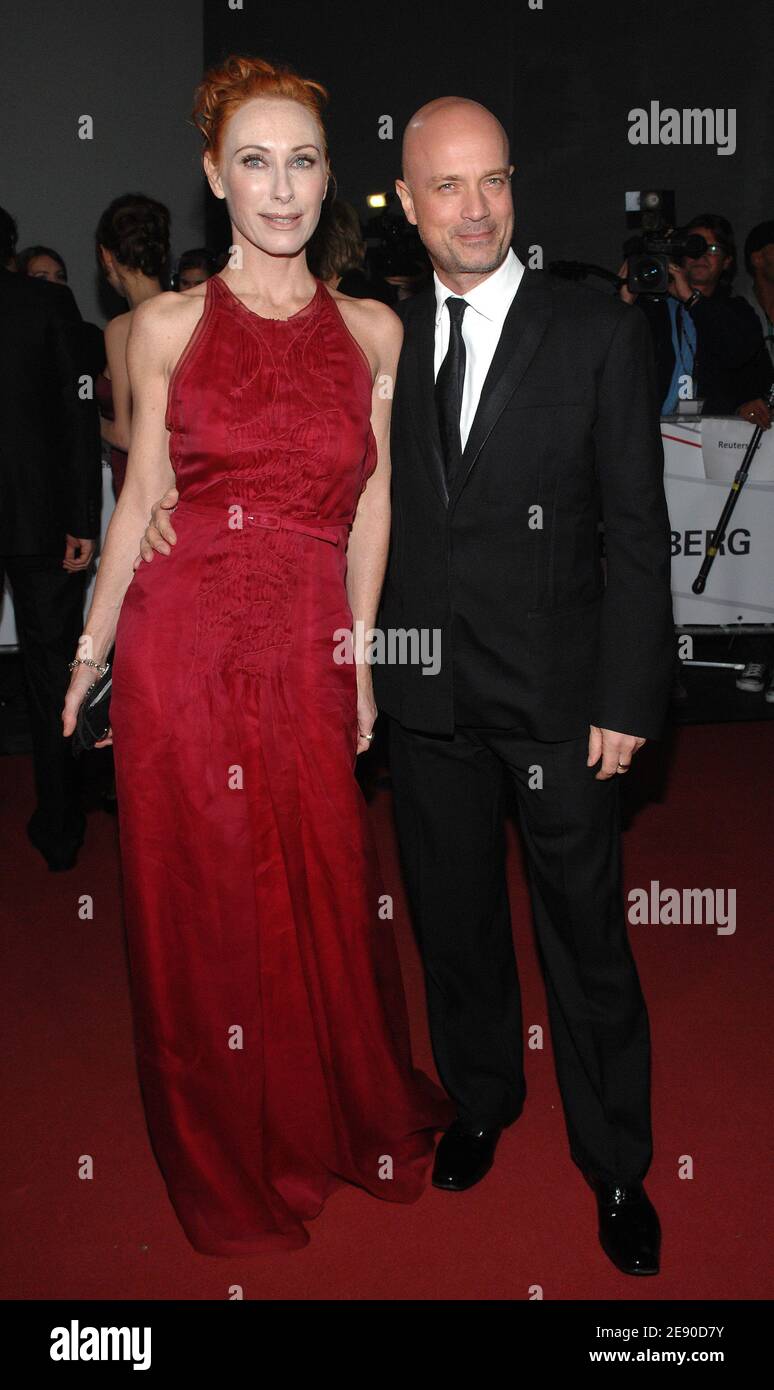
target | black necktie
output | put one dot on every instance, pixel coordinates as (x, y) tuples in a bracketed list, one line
[(448, 389)]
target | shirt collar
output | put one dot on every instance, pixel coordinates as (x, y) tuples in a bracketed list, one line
[(492, 297)]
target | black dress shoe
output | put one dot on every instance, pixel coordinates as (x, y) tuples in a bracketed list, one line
[(629, 1229), (61, 854), (464, 1155)]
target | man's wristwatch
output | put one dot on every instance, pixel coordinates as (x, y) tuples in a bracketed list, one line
[(694, 299)]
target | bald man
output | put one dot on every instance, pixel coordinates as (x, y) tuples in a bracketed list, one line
[(524, 413)]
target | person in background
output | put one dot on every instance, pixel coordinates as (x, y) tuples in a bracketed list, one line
[(132, 245), (410, 279), (42, 263), (703, 332), (194, 267), (50, 495), (45, 264), (757, 676), (759, 264), (132, 241), (338, 252)]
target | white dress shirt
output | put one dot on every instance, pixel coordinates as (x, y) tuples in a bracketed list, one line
[(482, 325)]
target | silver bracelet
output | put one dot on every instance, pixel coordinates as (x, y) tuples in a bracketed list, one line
[(87, 661)]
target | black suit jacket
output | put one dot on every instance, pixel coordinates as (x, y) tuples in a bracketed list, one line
[(507, 566), (50, 454)]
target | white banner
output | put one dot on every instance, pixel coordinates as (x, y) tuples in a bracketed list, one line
[(701, 459)]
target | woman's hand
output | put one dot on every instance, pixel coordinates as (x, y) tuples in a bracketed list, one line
[(366, 708), (82, 678)]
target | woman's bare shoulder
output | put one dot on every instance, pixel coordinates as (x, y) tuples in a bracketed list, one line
[(164, 323), (117, 329), (171, 307)]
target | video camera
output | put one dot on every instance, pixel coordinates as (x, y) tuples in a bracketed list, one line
[(649, 256), (657, 242)]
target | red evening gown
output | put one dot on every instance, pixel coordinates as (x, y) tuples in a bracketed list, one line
[(270, 1024)]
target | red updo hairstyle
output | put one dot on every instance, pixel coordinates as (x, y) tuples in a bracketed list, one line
[(228, 86)]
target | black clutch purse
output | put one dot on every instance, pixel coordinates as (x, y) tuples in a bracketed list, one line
[(93, 719)]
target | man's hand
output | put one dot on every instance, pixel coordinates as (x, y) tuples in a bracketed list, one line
[(679, 285), (159, 534), (73, 561), (628, 296), (757, 411), (616, 751)]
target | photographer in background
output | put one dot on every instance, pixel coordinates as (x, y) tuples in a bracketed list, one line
[(759, 264), (702, 331)]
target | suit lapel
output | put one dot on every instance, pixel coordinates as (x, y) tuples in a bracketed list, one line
[(420, 389), (523, 329)]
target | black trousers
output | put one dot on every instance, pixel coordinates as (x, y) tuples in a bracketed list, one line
[(449, 807), (48, 608)]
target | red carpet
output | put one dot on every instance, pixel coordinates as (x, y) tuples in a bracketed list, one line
[(72, 1089)]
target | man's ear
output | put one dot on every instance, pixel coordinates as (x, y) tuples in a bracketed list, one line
[(212, 175), (407, 202)]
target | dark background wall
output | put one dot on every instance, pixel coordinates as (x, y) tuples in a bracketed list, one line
[(562, 79), (132, 66)]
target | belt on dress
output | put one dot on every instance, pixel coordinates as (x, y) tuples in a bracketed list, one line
[(273, 521)]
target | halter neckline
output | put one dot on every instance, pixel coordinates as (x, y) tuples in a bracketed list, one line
[(262, 318)]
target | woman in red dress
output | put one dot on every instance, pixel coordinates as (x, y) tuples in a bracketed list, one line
[(270, 1024)]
